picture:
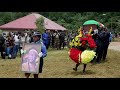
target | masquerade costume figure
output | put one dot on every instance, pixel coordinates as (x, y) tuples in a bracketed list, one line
[(82, 49)]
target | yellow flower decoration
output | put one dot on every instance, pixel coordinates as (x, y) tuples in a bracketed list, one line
[(90, 31), (71, 44), (76, 38), (76, 41), (87, 56), (80, 32), (79, 44)]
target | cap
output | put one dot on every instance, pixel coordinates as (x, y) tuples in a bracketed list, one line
[(36, 34)]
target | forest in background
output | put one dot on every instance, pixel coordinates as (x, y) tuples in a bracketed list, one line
[(70, 20)]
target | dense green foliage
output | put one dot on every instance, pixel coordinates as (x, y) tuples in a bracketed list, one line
[(70, 20), (40, 24)]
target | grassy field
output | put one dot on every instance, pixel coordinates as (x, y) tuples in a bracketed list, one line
[(58, 65), (116, 40)]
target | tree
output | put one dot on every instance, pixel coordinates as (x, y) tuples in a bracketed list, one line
[(70, 20), (40, 24)]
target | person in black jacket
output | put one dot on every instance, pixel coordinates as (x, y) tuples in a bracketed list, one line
[(106, 42), (2, 46), (102, 42), (62, 39)]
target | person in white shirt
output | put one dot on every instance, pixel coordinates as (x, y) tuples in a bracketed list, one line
[(22, 41), (16, 45)]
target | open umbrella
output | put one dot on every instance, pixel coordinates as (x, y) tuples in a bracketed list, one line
[(91, 22)]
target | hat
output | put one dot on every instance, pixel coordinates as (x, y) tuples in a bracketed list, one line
[(36, 34)]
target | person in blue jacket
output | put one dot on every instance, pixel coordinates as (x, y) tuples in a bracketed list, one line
[(46, 39), (42, 54), (111, 37)]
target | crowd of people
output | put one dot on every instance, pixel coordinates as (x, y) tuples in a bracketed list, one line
[(54, 39), (12, 42)]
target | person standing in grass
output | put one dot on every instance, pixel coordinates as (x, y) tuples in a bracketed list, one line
[(106, 42), (62, 39), (2, 46), (102, 44), (16, 45), (9, 44), (42, 54), (46, 39)]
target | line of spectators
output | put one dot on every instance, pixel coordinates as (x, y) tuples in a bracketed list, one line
[(12, 43)]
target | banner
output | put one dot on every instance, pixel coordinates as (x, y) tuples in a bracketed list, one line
[(30, 59)]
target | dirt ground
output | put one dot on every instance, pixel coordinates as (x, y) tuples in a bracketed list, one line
[(114, 46)]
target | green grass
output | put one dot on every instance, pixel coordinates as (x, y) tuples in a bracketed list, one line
[(116, 40), (58, 65)]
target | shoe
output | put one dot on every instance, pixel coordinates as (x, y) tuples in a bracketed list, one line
[(9, 58), (104, 59), (98, 62), (83, 71), (13, 57), (75, 69)]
